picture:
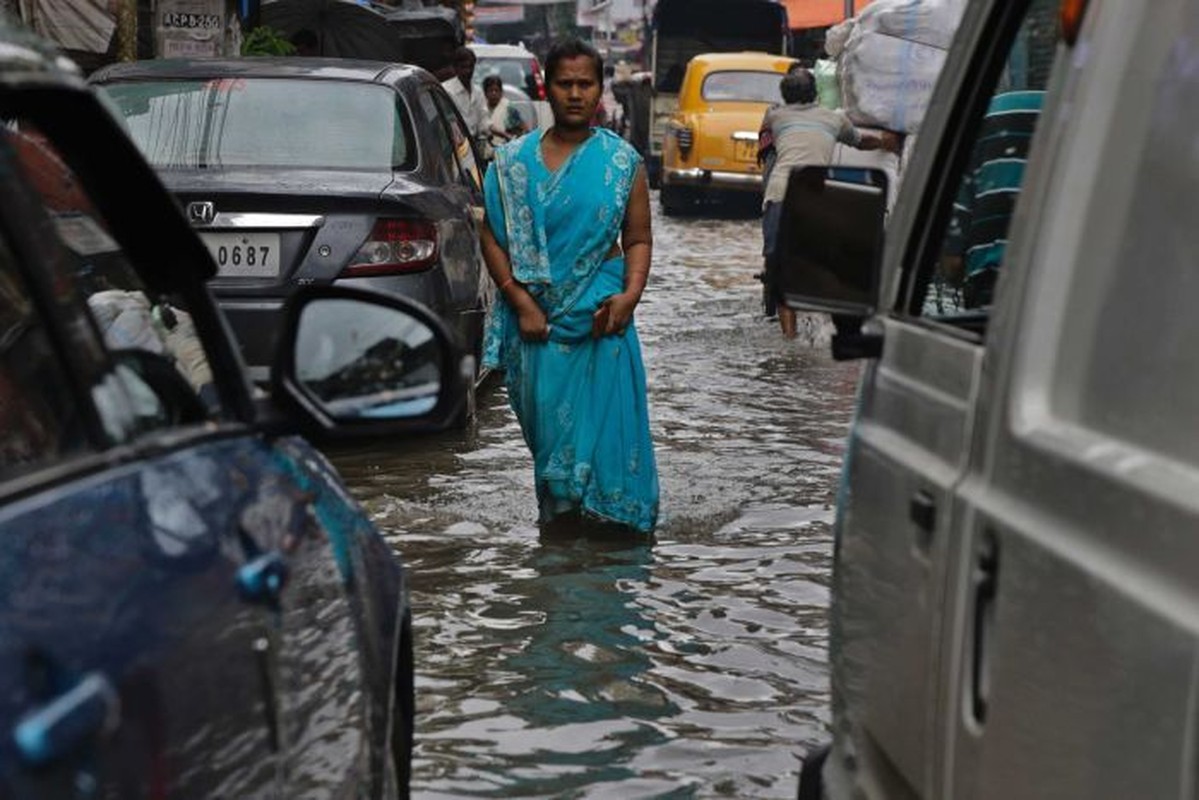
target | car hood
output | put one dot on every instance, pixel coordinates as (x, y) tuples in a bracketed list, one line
[(365, 184)]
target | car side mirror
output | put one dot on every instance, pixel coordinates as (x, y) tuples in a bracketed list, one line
[(830, 240), (361, 363)]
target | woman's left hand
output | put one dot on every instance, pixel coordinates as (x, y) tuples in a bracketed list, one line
[(614, 314)]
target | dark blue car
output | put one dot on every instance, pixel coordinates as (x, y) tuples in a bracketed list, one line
[(191, 604)]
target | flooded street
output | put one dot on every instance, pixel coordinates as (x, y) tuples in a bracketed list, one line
[(689, 666)]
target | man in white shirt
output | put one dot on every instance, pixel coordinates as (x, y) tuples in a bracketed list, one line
[(470, 101)]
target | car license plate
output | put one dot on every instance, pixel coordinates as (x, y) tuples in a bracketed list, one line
[(244, 255), (745, 150)]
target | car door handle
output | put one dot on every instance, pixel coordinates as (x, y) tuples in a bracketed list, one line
[(986, 585), (261, 579), (90, 708)]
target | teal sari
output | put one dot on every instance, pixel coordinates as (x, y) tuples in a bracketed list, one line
[(581, 401)]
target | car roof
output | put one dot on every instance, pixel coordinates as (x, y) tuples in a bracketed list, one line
[(256, 67), (501, 51), (743, 60)]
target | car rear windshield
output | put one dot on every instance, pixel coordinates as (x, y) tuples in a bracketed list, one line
[(743, 86), (516, 72), (266, 122)]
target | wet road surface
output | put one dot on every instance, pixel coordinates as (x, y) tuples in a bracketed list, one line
[(689, 666)]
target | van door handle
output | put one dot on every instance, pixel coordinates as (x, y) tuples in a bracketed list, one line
[(922, 511), (986, 584), (86, 710)]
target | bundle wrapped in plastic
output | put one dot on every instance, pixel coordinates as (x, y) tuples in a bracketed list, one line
[(836, 37), (828, 87), (891, 62), (930, 22)]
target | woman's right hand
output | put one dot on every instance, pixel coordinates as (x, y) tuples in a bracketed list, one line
[(534, 325)]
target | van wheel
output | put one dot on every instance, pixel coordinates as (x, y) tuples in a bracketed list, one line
[(404, 713), (676, 200), (811, 777)]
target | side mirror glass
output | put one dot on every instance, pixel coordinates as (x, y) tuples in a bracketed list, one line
[(830, 239), (362, 361)]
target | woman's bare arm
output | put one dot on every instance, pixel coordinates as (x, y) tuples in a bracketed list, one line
[(637, 237), (533, 323), (637, 241)]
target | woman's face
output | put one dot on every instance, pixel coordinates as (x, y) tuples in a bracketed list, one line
[(574, 92)]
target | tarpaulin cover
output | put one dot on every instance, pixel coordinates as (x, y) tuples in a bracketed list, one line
[(892, 59), (818, 13)]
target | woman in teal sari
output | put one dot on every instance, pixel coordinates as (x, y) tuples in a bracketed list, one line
[(567, 241)]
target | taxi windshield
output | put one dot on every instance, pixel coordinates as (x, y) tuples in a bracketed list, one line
[(220, 122), (742, 86)]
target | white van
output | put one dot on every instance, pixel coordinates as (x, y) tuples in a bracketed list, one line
[(1015, 606)]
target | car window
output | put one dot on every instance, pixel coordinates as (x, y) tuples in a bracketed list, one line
[(961, 282), (39, 419), (160, 374), (221, 123), (743, 86), (463, 153), (441, 134), (516, 72)]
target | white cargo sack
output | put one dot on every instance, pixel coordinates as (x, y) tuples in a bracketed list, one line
[(930, 22), (836, 37), (892, 60)]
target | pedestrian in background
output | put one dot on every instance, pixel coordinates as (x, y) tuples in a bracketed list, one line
[(504, 122), (471, 104), (567, 240), (800, 133)]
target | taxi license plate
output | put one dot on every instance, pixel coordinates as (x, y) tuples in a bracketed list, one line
[(745, 150), (244, 255)]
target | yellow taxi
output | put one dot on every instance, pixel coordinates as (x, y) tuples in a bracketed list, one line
[(711, 143)]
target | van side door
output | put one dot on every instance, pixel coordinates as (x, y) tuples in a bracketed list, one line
[(913, 434), (1076, 592)]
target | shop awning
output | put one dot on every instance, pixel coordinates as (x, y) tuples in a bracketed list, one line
[(818, 13)]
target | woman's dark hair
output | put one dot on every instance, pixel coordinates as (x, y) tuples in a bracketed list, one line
[(798, 87), (492, 80), (573, 48)]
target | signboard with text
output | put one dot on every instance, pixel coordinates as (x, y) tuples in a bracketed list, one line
[(189, 28)]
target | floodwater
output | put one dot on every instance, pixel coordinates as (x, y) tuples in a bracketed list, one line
[(693, 665)]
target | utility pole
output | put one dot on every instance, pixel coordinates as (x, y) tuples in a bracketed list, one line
[(849, 9), (127, 30)]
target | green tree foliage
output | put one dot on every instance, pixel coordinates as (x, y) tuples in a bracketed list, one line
[(264, 41)]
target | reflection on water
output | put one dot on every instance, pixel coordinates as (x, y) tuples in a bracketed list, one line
[(689, 666)]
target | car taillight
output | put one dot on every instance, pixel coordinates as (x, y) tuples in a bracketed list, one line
[(539, 79), (395, 246)]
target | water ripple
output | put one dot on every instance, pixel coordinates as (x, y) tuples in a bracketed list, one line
[(691, 666)]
